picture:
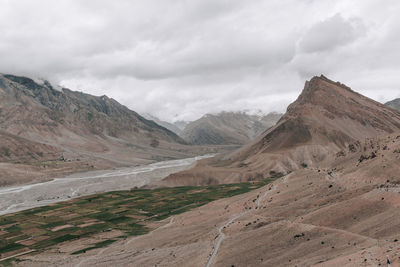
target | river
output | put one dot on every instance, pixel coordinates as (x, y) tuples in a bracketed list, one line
[(23, 197)]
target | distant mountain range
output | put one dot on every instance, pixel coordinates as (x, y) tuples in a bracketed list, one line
[(228, 128), (224, 128), (394, 103), (170, 126)]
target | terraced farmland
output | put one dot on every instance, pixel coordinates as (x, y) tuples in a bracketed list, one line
[(127, 213)]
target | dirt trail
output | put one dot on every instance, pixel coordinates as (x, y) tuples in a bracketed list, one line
[(221, 235)]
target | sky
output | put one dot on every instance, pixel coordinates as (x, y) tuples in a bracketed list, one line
[(180, 59)]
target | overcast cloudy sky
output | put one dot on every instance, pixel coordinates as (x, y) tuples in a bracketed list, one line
[(179, 59)]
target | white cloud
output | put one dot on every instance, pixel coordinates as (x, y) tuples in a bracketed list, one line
[(180, 59), (330, 34)]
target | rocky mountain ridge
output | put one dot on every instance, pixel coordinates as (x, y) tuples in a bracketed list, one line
[(228, 128), (325, 119), (40, 122)]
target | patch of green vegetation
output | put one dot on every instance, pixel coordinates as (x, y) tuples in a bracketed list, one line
[(14, 228), (119, 219), (10, 247), (127, 211), (37, 210), (97, 245), (5, 221), (18, 238), (53, 224), (137, 229), (64, 238)]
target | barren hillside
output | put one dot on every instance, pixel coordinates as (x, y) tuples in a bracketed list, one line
[(46, 128), (325, 119)]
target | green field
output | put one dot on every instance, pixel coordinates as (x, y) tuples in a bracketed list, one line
[(127, 211)]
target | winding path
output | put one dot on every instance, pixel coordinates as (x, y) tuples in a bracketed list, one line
[(221, 235)]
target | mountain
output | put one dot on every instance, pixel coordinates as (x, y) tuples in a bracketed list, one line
[(338, 206), (170, 126), (181, 124), (394, 103), (324, 120), (40, 122), (227, 128)]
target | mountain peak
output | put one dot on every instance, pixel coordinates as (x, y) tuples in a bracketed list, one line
[(322, 78), (323, 99), (323, 93), (327, 116)]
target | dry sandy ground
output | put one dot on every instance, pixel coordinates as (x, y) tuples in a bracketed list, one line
[(348, 215), (317, 225)]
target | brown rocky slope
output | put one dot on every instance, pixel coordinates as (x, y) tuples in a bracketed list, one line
[(45, 127), (326, 118)]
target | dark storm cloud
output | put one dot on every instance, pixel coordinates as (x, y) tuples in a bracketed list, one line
[(179, 59)]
